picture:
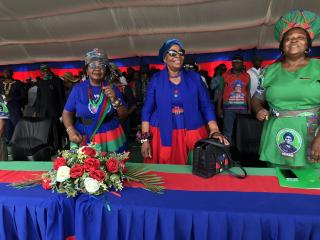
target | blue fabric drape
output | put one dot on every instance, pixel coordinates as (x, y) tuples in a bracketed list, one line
[(32, 214), (37, 214), (175, 215)]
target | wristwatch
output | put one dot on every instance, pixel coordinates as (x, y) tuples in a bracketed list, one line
[(116, 104)]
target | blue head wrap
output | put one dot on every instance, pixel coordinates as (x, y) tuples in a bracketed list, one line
[(237, 82), (288, 134), (167, 45)]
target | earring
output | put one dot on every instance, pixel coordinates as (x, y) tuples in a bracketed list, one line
[(307, 51)]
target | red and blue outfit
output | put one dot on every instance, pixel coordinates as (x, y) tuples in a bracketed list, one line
[(177, 114), (110, 136)]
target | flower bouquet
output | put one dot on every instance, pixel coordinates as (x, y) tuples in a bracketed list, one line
[(86, 170)]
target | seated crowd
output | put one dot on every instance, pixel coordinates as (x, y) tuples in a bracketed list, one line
[(180, 105)]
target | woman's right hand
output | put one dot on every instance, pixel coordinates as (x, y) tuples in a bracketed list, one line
[(146, 150), (75, 136), (262, 114)]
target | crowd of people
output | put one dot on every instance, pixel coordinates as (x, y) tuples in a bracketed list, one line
[(180, 105)]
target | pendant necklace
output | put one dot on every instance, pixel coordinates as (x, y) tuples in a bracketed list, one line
[(94, 103)]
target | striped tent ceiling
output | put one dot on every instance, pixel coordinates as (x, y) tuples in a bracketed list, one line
[(63, 30)]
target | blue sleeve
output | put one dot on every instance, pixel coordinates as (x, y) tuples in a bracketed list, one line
[(206, 107), (149, 102), (70, 105)]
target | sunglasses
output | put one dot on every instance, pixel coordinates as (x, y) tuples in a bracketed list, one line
[(174, 53), (94, 65)]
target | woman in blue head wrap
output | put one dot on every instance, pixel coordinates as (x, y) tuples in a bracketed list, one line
[(177, 111)]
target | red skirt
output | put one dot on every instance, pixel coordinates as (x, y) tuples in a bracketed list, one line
[(182, 143)]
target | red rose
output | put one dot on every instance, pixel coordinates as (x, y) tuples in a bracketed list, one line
[(123, 166), (89, 151), (46, 183), (76, 171), (97, 175), (91, 164), (104, 154), (112, 165), (58, 162)]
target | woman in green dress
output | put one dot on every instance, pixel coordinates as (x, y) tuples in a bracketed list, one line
[(291, 88)]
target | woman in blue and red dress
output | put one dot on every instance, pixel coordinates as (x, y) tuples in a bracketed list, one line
[(177, 111), (97, 106)]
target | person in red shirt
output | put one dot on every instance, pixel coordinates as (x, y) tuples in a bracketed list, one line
[(234, 97)]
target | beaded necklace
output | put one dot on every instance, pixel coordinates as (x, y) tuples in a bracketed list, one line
[(176, 76), (93, 103)]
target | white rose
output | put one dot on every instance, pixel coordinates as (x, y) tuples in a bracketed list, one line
[(91, 185), (63, 173)]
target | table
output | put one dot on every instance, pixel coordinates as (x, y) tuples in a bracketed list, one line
[(222, 207)]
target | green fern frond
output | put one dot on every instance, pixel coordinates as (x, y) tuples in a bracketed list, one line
[(26, 184), (150, 181)]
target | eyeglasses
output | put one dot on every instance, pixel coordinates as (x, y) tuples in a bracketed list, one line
[(174, 53), (94, 65)]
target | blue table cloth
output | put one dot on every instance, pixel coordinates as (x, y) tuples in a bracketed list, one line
[(35, 214), (175, 215)]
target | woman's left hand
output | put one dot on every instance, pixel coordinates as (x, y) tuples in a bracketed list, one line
[(219, 136), (315, 149), (110, 93)]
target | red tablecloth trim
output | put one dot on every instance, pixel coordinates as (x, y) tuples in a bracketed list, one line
[(189, 182), (10, 176)]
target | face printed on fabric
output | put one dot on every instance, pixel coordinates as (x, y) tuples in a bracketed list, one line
[(174, 61), (238, 88), (289, 142), (96, 71), (295, 42)]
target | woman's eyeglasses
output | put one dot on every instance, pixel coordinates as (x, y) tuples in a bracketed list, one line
[(94, 65), (174, 53)]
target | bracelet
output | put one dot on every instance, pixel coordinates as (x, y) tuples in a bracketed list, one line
[(216, 133), (69, 129), (116, 104), (143, 137)]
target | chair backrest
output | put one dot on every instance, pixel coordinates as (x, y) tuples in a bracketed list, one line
[(248, 131), (32, 132)]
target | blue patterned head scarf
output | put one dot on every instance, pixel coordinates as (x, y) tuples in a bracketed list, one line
[(237, 83), (96, 54), (167, 45)]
